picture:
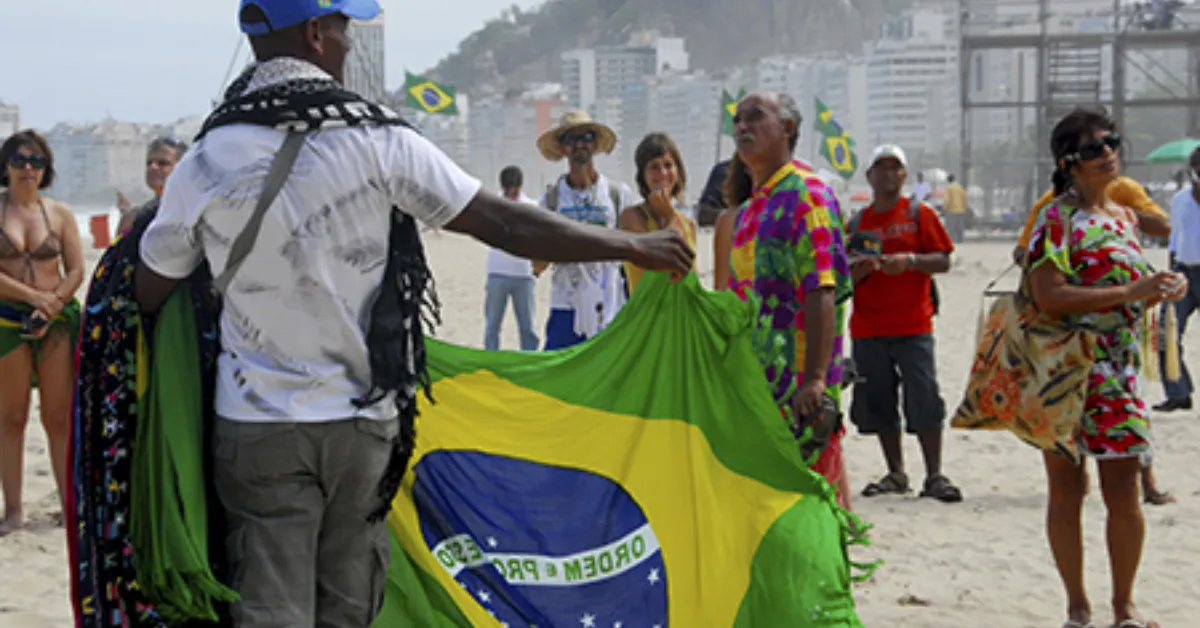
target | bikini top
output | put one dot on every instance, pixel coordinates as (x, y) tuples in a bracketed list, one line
[(50, 247)]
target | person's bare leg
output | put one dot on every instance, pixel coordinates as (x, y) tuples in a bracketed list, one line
[(15, 386), (893, 450), (56, 381), (1067, 485), (1126, 530), (843, 484), (1150, 493)]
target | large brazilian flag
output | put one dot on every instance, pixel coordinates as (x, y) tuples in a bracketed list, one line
[(644, 478)]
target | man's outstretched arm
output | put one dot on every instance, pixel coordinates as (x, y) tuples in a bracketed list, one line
[(534, 233)]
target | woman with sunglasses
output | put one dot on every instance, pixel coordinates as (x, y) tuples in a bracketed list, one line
[(161, 157), (661, 178), (41, 267), (1085, 265)]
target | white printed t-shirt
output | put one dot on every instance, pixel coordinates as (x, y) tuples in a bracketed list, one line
[(505, 264), (593, 206), (293, 328)]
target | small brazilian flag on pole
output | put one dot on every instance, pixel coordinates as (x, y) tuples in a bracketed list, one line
[(425, 95), (836, 146), (729, 110)]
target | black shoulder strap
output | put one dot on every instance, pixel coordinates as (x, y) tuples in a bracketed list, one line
[(281, 168)]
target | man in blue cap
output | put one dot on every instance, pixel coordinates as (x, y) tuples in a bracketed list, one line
[(322, 346)]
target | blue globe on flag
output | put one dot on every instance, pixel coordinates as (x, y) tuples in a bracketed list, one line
[(540, 545), (431, 97)]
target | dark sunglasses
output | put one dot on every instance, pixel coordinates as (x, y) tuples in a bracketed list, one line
[(1095, 148), (37, 162), (572, 138)]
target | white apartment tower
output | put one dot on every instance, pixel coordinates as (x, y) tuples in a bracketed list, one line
[(365, 67), (602, 74), (912, 78)]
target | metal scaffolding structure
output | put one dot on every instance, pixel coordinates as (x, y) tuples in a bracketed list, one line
[(1070, 59)]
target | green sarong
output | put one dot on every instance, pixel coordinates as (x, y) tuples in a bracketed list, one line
[(66, 322), (169, 505)]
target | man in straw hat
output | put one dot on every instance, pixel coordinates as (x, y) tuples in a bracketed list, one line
[(585, 297)]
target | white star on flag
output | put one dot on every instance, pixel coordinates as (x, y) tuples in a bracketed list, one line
[(588, 620), (492, 542), (484, 597), (617, 624), (653, 577)]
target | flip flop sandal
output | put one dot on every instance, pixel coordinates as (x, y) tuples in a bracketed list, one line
[(1158, 498), (939, 487), (1134, 623), (1071, 623), (890, 484)]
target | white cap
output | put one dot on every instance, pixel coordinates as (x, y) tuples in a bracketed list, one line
[(888, 151)]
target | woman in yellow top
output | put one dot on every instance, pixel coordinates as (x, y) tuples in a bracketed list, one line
[(1152, 220), (661, 178)]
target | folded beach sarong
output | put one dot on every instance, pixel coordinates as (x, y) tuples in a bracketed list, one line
[(65, 323), (169, 509)]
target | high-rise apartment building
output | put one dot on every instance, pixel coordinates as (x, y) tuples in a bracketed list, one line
[(366, 65)]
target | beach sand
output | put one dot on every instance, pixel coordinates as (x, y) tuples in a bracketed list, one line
[(980, 563)]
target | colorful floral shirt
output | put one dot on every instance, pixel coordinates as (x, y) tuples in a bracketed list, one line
[(1096, 250), (788, 241)]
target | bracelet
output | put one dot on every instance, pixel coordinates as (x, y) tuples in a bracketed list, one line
[(912, 261)]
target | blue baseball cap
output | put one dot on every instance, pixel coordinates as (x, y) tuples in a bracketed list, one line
[(283, 14)]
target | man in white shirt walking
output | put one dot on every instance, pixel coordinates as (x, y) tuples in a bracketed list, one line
[(321, 334), (585, 297), (510, 278), (1184, 250)]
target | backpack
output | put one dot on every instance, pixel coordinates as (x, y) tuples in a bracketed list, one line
[(914, 215)]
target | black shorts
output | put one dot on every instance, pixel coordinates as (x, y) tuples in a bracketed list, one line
[(887, 364)]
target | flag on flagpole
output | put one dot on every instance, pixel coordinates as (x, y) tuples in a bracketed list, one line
[(837, 147), (425, 95), (729, 110), (615, 484)]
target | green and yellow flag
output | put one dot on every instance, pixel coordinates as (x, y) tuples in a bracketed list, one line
[(729, 110), (643, 478), (837, 147), (425, 95)]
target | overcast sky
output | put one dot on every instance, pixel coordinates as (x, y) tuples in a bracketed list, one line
[(159, 60)]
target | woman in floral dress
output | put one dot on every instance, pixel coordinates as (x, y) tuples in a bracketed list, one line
[(1086, 266)]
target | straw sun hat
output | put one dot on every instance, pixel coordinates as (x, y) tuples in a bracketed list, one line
[(575, 120)]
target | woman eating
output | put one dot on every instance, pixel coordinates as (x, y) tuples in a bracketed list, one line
[(41, 267), (1085, 266)]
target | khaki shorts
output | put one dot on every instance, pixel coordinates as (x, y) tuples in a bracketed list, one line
[(296, 498)]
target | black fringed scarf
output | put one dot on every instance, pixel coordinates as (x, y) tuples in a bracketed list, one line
[(407, 299)]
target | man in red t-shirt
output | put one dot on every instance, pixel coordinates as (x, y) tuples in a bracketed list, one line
[(891, 327)]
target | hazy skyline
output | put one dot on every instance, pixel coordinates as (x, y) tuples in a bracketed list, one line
[(136, 60)]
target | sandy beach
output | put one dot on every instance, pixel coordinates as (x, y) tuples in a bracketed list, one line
[(980, 563)]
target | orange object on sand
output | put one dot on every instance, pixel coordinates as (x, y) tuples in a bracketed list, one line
[(101, 234)]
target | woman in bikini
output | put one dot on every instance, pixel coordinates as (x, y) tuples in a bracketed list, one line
[(661, 179), (41, 267), (1085, 265)]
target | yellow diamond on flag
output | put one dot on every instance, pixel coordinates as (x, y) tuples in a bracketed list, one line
[(430, 97), (731, 108), (840, 156)]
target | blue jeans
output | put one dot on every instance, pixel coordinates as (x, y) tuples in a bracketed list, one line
[(1182, 388), (500, 289)]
